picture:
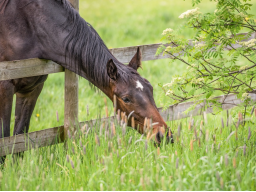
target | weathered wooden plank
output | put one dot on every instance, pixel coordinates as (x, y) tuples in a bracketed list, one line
[(34, 67), (38, 139), (27, 68), (54, 135), (24, 142), (148, 52), (175, 112)]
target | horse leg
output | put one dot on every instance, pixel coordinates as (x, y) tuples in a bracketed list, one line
[(6, 98), (25, 104)]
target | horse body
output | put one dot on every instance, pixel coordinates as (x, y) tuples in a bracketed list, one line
[(53, 30)]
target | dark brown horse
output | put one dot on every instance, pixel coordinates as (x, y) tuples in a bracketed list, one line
[(53, 30)]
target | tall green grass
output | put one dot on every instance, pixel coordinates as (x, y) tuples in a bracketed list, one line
[(118, 164), (204, 157)]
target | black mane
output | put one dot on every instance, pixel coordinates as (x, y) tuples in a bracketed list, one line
[(3, 4), (90, 52)]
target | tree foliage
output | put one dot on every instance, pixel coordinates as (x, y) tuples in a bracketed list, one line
[(218, 59)]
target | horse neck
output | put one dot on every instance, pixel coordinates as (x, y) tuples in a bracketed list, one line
[(75, 45)]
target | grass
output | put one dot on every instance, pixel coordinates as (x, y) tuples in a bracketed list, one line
[(129, 166), (219, 158)]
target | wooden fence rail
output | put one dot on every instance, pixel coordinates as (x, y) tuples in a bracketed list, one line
[(34, 67)]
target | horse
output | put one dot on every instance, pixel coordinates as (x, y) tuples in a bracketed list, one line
[(54, 30)]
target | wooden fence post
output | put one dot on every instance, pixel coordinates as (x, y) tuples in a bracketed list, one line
[(71, 94)]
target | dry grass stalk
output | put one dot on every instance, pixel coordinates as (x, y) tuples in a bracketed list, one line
[(73, 150), (123, 117), (83, 129), (212, 147), (234, 162), (145, 125), (130, 140), (226, 159), (146, 145), (201, 124), (118, 115), (84, 150), (119, 141), (124, 130), (230, 135), (133, 123), (130, 115), (72, 164), (109, 147), (57, 116), (189, 126), (191, 145), (125, 120), (244, 149), (240, 116), (97, 140), (113, 130), (222, 122), (238, 123), (87, 110), (249, 133), (158, 151), (214, 138), (106, 107), (255, 112), (207, 135), (114, 102), (195, 133), (178, 132), (101, 128), (227, 117), (199, 142), (148, 136), (177, 163), (67, 158)]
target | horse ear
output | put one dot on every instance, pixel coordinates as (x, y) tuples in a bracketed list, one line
[(112, 70), (135, 63)]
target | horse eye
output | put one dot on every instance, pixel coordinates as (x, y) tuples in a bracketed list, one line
[(126, 100)]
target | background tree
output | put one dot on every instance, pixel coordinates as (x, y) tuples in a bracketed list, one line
[(219, 61)]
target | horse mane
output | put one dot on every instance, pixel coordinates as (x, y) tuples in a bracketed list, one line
[(3, 4), (90, 52)]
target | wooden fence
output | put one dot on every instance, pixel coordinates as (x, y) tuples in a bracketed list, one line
[(50, 136)]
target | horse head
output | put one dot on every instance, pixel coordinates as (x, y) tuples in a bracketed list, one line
[(135, 94)]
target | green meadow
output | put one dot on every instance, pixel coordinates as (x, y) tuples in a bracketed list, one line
[(205, 156)]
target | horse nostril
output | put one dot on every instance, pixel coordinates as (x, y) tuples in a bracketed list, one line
[(159, 137)]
